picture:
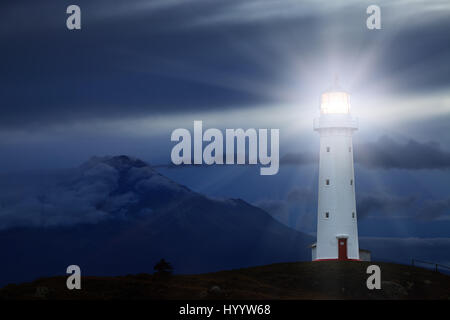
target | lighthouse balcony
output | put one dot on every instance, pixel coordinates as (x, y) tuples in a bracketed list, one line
[(329, 121)]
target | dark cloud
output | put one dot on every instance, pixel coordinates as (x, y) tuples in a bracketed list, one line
[(300, 195), (146, 58), (299, 158), (386, 153), (383, 205), (392, 206), (302, 201), (435, 209), (293, 197), (102, 188)]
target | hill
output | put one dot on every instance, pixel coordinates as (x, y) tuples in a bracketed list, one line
[(299, 280)]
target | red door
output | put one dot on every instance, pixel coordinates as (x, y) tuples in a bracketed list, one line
[(342, 243)]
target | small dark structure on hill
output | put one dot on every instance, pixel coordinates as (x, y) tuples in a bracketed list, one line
[(163, 268)]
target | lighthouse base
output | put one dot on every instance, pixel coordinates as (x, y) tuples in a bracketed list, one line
[(337, 260), (364, 255)]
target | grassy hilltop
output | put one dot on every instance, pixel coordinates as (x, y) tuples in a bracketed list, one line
[(298, 280)]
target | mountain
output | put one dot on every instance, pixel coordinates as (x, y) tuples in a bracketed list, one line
[(117, 215)]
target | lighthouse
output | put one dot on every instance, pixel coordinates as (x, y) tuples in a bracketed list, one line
[(337, 228)]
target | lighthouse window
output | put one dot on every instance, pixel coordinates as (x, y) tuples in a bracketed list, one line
[(328, 149), (351, 182), (353, 215), (327, 215), (327, 182)]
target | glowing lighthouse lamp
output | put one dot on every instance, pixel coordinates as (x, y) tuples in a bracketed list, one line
[(337, 229)]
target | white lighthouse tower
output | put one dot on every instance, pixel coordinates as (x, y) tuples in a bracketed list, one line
[(337, 229)]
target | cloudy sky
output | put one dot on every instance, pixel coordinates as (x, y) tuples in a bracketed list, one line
[(139, 69)]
